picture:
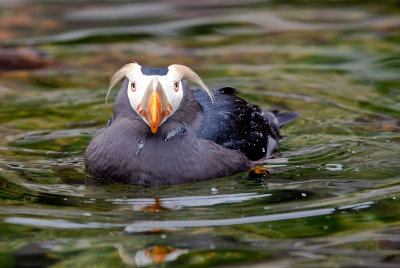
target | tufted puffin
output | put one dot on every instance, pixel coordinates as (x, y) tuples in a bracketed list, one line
[(164, 133)]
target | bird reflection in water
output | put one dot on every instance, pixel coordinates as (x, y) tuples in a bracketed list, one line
[(156, 207), (152, 255)]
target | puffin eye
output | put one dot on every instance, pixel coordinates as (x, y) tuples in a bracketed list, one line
[(133, 87), (176, 86)]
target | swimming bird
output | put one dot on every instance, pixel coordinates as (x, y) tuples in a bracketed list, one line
[(162, 132)]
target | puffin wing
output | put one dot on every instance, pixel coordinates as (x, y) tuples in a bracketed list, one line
[(235, 124)]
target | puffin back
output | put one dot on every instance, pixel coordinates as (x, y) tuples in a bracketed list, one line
[(235, 124)]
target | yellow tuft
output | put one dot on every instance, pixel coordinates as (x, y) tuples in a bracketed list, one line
[(119, 75)]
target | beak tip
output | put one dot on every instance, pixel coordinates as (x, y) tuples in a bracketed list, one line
[(154, 129)]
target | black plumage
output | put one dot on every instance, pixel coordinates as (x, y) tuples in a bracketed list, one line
[(235, 124), (201, 140), (154, 70)]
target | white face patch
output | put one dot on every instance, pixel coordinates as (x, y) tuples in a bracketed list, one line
[(155, 97), (139, 84), (172, 86)]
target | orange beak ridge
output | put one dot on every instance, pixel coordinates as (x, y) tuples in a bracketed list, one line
[(154, 112)]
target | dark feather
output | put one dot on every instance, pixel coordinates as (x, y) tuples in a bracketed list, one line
[(235, 124), (154, 70), (110, 121)]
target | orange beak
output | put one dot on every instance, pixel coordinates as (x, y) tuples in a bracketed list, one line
[(155, 115), (154, 105)]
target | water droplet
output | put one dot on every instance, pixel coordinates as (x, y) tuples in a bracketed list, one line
[(214, 190), (140, 145), (394, 197), (298, 244), (334, 167), (87, 214), (180, 129), (303, 194)]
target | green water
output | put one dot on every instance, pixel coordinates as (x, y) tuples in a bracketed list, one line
[(332, 198)]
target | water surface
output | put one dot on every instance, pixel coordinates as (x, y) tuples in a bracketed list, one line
[(332, 195)]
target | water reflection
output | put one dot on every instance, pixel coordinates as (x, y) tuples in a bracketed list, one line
[(332, 193), (56, 223), (148, 225), (174, 203), (152, 255)]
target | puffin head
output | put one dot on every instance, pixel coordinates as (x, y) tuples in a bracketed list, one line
[(155, 93)]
